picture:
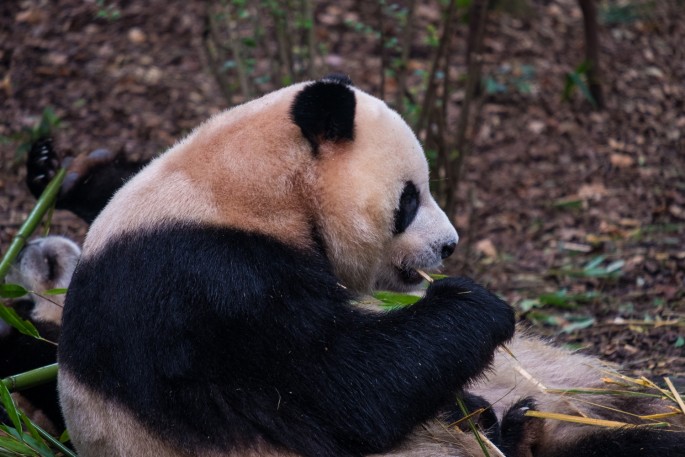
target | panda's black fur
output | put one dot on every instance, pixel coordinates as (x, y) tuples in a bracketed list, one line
[(280, 345)]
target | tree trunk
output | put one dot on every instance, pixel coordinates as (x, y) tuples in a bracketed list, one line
[(478, 15), (589, 9)]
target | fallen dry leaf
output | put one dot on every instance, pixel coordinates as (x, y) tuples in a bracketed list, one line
[(487, 248), (621, 160)]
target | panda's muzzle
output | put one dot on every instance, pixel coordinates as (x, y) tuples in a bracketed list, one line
[(408, 273), (447, 250)]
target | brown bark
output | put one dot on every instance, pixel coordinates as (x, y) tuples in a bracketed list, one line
[(589, 9), (478, 19)]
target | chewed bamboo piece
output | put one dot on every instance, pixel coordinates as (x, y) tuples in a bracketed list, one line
[(425, 276)]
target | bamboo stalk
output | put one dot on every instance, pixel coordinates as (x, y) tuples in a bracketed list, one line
[(45, 202), (31, 378), (588, 420)]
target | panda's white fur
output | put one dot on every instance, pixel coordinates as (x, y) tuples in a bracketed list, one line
[(45, 263), (285, 176)]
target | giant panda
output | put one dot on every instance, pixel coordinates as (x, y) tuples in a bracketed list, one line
[(44, 263), (212, 312)]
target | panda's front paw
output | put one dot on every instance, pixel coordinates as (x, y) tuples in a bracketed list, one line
[(480, 309), (42, 164)]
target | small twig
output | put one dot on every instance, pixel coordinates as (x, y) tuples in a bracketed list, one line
[(425, 276), (588, 420), (46, 298), (677, 396), (529, 377), (408, 35), (384, 51), (235, 45), (431, 86), (311, 37), (213, 58)]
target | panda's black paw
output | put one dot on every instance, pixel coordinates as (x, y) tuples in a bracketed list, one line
[(481, 310), (520, 433), (42, 164)]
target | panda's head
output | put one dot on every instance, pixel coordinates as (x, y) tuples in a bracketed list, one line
[(375, 211), (316, 164), (45, 263)]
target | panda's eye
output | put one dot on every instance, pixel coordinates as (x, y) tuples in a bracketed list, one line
[(409, 205)]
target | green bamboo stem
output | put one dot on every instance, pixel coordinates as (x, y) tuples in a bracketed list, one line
[(45, 202), (31, 378)]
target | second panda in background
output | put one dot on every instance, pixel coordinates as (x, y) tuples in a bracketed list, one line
[(43, 264), (208, 318)]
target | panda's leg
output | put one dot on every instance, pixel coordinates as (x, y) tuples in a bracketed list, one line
[(539, 366), (451, 436), (101, 428), (623, 442)]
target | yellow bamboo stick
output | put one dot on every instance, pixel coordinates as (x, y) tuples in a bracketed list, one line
[(587, 420)]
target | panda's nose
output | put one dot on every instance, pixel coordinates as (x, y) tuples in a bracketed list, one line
[(447, 250)]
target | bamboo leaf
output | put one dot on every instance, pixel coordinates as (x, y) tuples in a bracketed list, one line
[(10, 407), (36, 442), (393, 300), (57, 291), (23, 326), (594, 263), (12, 291), (12, 447)]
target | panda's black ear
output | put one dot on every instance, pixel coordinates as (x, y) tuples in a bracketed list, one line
[(324, 111)]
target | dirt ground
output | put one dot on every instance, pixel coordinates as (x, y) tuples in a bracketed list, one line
[(577, 217)]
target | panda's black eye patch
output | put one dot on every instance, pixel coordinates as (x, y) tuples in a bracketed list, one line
[(408, 207)]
